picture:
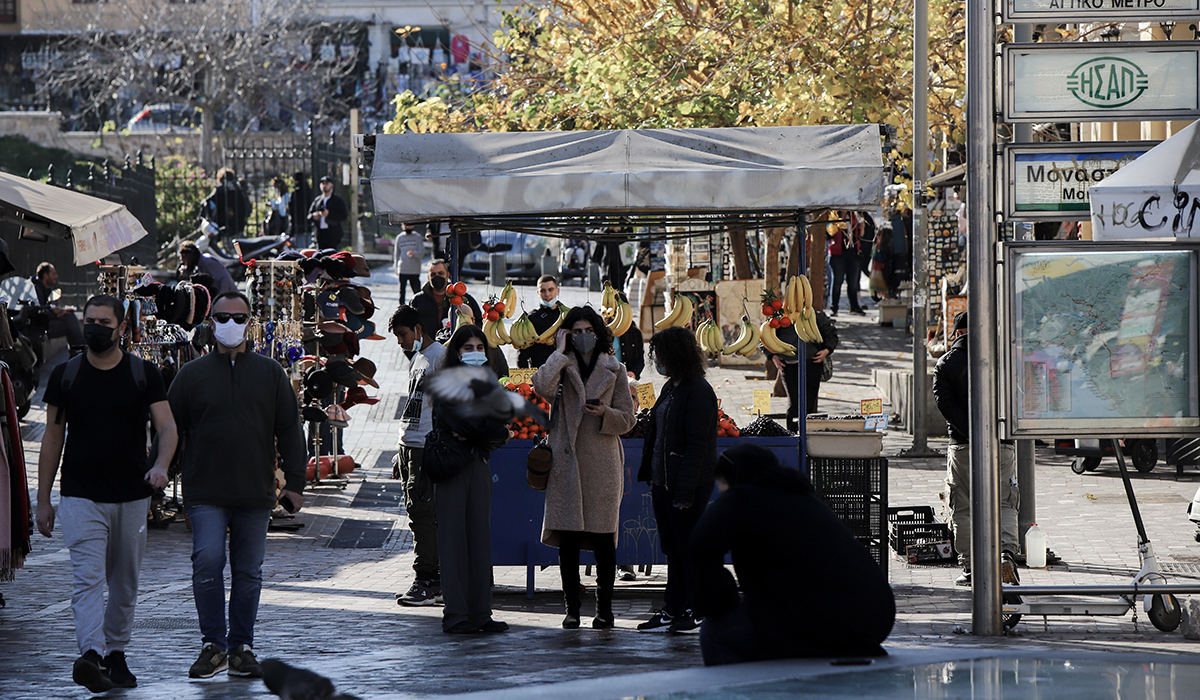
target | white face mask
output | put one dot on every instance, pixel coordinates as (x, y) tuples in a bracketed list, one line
[(474, 358), (230, 334)]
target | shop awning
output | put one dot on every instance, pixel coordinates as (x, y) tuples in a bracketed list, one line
[(1155, 196), (537, 178), (96, 226)]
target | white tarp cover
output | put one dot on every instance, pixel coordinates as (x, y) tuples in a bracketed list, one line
[(433, 176), (97, 226), (1155, 196)]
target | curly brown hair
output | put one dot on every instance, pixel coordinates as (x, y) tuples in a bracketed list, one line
[(678, 352)]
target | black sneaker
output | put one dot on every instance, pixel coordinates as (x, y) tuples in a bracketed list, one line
[(211, 662), (493, 627), (243, 664), (684, 623), (1008, 569), (421, 593), (89, 671), (964, 579), (118, 670), (660, 621)]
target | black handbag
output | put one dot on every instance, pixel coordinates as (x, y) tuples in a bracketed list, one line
[(445, 456), (540, 459)]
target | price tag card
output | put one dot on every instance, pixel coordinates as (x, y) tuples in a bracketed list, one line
[(879, 421), (521, 376), (645, 395), (762, 401), (870, 406)]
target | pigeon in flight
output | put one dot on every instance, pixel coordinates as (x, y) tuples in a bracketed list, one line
[(292, 683), (473, 392)]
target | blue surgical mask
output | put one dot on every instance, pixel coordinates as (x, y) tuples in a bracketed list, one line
[(550, 304), (474, 358), (660, 369), (416, 345)]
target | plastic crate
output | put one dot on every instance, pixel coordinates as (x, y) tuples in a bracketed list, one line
[(915, 525), (877, 549), (861, 512), (846, 475)]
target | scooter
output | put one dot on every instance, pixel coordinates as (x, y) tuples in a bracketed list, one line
[(232, 253)]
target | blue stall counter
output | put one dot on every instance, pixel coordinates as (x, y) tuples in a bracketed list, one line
[(517, 510)]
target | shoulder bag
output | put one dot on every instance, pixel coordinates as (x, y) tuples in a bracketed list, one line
[(445, 455), (540, 459), (827, 368)]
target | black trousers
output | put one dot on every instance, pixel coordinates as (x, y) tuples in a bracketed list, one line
[(604, 546), (845, 267), (674, 536), (414, 281)]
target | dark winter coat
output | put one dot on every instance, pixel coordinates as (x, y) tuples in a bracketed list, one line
[(633, 351), (691, 446), (950, 389), (829, 339)]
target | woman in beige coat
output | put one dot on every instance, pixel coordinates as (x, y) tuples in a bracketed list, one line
[(583, 494)]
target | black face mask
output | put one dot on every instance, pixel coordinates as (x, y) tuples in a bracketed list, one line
[(438, 283), (99, 338)]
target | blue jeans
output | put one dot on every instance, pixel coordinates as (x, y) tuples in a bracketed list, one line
[(247, 547)]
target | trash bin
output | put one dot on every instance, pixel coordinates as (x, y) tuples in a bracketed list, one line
[(497, 270)]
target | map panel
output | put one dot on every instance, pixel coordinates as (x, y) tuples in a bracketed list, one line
[(1104, 339)]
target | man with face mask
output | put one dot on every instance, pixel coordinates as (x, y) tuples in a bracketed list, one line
[(101, 401), (235, 409), (542, 318), (416, 420)]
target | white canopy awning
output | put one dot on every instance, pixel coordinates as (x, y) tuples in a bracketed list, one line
[(767, 169), (1155, 196), (96, 226)]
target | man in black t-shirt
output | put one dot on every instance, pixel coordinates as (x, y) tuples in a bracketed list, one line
[(101, 401)]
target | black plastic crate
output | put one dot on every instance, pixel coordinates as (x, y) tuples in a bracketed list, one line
[(861, 512), (846, 475), (915, 525)]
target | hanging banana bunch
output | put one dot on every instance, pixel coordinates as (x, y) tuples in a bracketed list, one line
[(681, 313), (622, 318), (522, 333), (747, 342), (708, 335)]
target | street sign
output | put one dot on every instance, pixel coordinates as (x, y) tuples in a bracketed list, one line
[(1084, 11), (1118, 81), (1050, 181)]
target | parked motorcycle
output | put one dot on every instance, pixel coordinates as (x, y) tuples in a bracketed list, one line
[(213, 241), (28, 322)]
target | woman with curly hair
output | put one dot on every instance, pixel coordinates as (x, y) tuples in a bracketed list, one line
[(583, 493), (678, 458)]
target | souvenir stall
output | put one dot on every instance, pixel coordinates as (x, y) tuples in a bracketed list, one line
[(687, 187)]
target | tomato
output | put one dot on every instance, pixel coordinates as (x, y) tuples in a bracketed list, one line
[(767, 309), (460, 288), (776, 304), (499, 306), (785, 321), (487, 307), (493, 315), (774, 323), (456, 301)]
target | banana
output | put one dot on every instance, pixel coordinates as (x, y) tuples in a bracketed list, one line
[(701, 338), (462, 319), (521, 335), (622, 319), (685, 316), (718, 338), (508, 296), (614, 321), (751, 346), (806, 294), (608, 299), (502, 332), (774, 344), (669, 320), (547, 338), (489, 330), (742, 339), (814, 332)]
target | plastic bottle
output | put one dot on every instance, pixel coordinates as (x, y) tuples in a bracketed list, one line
[(1035, 547)]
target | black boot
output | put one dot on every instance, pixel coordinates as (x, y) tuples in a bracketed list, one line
[(604, 598)]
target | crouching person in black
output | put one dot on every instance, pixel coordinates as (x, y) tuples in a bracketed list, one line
[(809, 588)]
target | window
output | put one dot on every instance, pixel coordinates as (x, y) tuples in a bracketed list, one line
[(8, 11)]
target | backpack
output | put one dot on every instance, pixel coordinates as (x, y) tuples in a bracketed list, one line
[(71, 371)]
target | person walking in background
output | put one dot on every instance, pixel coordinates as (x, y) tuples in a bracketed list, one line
[(951, 381), (542, 318), (193, 262), (327, 213), (280, 205), (106, 489), (227, 205), (678, 457), (235, 410), (298, 204), (776, 528), (416, 420), (583, 492), (844, 261), (464, 505), (814, 356), (410, 248), (63, 322)]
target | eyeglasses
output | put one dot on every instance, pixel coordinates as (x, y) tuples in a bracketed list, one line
[(581, 331), (239, 319)]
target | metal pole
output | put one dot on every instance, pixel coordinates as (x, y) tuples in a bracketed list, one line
[(981, 273), (919, 398), (356, 237), (1026, 461)]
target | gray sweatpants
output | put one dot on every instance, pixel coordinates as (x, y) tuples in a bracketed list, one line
[(106, 541), (958, 478), (464, 513)]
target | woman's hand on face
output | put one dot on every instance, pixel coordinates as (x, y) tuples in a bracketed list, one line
[(594, 409), (560, 341)]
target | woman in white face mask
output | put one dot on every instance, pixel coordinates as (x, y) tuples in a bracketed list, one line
[(463, 505), (583, 493)]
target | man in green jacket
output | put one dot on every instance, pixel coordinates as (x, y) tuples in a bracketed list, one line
[(234, 410)]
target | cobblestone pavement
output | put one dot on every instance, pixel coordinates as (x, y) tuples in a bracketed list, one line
[(332, 609)]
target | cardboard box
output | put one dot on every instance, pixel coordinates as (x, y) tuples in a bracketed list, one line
[(931, 551)]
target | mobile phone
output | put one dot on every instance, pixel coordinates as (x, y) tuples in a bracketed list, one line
[(593, 402)]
